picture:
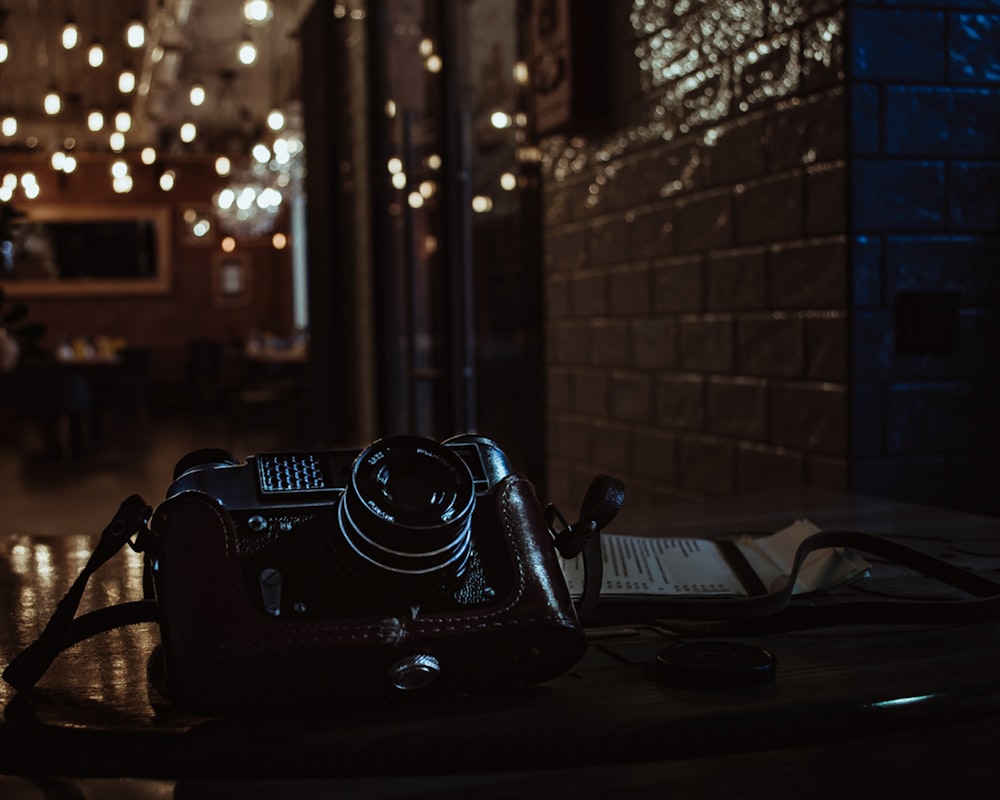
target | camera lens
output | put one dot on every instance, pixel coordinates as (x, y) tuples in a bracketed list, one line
[(406, 515)]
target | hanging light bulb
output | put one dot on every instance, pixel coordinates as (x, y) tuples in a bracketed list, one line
[(223, 166), (52, 102), (126, 81), (95, 121), (247, 52), (70, 34), (257, 12), (95, 54), (275, 119), (116, 141), (123, 121), (148, 155), (188, 132), (135, 33), (167, 180), (4, 47), (8, 127), (197, 94)]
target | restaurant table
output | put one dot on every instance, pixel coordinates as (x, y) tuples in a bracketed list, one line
[(853, 710)]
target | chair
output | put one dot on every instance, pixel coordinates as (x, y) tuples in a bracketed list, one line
[(51, 400)]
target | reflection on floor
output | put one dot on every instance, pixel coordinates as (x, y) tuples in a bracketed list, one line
[(42, 494)]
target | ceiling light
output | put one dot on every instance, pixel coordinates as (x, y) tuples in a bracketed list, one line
[(95, 121), (58, 160), (148, 155), (223, 166), (116, 141), (69, 164), (8, 127), (261, 153), (119, 168), (257, 12), (188, 132), (52, 102), (247, 52), (123, 121), (197, 94), (167, 180), (135, 33), (95, 54), (122, 185), (70, 34)]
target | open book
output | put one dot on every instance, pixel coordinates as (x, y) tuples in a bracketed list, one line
[(637, 565)]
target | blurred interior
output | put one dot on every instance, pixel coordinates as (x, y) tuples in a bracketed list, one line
[(613, 237)]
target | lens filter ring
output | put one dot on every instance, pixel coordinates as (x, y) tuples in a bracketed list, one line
[(406, 512)]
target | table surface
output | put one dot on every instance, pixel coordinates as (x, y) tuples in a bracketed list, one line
[(850, 706)]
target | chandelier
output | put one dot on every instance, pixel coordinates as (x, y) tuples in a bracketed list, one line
[(249, 206)]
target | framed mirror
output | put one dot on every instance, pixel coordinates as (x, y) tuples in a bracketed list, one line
[(93, 249)]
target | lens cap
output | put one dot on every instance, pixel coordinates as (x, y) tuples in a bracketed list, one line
[(715, 665)]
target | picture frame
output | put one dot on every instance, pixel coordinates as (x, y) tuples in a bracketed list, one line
[(231, 279)]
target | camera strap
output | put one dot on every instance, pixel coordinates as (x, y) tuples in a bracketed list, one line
[(64, 628), (601, 503)]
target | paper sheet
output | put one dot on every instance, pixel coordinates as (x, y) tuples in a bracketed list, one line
[(639, 565)]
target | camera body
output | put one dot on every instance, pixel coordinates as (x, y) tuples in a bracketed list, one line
[(409, 567)]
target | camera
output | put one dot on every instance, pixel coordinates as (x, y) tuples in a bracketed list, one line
[(410, 566)]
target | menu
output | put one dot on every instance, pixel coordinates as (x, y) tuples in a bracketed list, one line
[(671, 566)]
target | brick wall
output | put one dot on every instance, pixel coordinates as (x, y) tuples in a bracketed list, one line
[(781, 268), (925, 155), (697, 259)]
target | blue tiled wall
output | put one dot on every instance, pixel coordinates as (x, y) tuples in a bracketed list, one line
[(923, 79)]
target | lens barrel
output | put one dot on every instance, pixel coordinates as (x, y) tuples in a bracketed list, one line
[(406, 516)]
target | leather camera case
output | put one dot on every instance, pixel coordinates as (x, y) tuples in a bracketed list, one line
[(222, 651)]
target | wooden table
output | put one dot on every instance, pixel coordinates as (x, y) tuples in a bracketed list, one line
[(859, 710)]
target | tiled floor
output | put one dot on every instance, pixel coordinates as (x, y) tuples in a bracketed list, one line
[(42, 494)]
